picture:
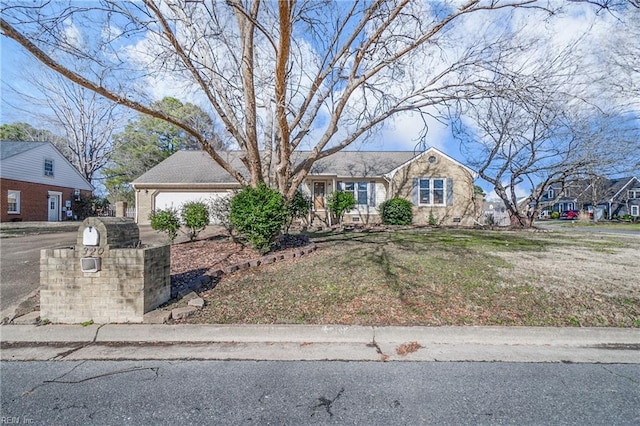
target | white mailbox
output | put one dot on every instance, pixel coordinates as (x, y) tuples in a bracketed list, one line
[(90, 237)]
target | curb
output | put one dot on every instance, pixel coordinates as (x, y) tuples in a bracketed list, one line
[(319, 342)]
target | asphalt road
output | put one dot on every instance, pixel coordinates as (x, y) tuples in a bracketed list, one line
[(241, 392), (20, 263)]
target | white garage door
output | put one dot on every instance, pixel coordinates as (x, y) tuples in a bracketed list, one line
[(175, 200)]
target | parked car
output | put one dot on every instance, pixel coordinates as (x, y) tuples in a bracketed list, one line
[(544, 214), (569, 214)]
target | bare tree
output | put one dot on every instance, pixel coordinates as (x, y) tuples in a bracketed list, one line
[(277, 75), (86, 120)]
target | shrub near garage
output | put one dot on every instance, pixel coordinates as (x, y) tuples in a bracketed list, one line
[(195, 216), (167, 221), (396, 211), (258, 214)]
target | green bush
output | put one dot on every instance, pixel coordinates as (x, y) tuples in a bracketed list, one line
[(555, 215), (298, 208), (396, 211), (195, 216), (433, 220), (340, 202), (258, 214), (166, 220)]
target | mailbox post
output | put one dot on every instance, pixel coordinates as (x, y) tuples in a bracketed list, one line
[(107, 277)]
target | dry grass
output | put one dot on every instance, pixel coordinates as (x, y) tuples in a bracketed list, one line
[(414, 277)]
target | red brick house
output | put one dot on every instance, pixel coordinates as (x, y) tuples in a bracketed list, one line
[(38, 183)]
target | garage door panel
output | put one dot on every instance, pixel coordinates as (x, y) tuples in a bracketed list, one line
[(175, 200)]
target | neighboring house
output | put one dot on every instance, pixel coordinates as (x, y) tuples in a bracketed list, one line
[(38, 183), (614, 197), (439, 187)]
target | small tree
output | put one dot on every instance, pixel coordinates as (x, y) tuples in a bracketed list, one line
[(297, 208), (166, 220), (340, 202), (258, 214), (396, 211), (195, 216), (220, 210)]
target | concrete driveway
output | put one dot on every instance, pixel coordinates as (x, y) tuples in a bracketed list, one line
[(20, 256)]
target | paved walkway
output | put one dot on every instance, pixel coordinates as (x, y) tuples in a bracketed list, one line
[(328, 342)]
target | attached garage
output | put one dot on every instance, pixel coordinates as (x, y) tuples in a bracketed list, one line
[(165, 200), (170, 184)]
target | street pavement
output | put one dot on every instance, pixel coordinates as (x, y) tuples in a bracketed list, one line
[(321, 342), (303, 393)]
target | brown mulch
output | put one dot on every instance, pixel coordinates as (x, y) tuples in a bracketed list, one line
[(190, 260)]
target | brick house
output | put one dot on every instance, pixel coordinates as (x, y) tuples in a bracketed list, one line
[(38, 183), (439, 187)]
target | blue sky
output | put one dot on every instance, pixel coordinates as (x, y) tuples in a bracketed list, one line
[(401, 133)]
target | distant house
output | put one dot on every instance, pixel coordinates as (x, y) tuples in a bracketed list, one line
[(38, 183), (615, 197), (439, 187)]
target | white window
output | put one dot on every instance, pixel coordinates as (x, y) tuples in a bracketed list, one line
[(13, 202), (634, 193), (635, 210), (551, 194), (360, 191), (48, 167), (432, 192)]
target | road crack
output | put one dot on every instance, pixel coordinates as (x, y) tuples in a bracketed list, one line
[(59, 380), (327, 403), (620, 375)]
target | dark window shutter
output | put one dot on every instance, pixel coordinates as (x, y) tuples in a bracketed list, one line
[(372, 194), (340, 185), (449, 191)]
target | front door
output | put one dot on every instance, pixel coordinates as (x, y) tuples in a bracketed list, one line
[(318, 195), (54, 208)]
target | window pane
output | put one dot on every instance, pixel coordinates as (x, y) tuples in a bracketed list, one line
[(362, 198), (438, 191), (348, 186), (48, 167), (13, 202)]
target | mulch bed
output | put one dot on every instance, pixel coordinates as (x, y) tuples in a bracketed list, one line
[(189, 260)]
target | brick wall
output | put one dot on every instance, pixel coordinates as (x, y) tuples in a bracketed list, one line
[(130, 282), (33, 200)]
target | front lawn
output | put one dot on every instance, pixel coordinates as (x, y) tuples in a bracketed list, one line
[(421, 277)]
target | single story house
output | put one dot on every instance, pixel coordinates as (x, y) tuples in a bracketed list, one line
[(440, 188), (616, 197), (38, 183)]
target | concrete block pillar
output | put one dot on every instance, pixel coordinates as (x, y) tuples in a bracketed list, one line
[(121, 209)]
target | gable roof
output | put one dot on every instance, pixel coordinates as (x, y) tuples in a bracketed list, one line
[(616, 186), (580, 188), (185, 167), (10, 148), (432, 150), (19, 167), (197, 167)]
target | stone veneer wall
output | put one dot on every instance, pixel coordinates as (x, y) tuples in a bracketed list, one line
[(132, 280)]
